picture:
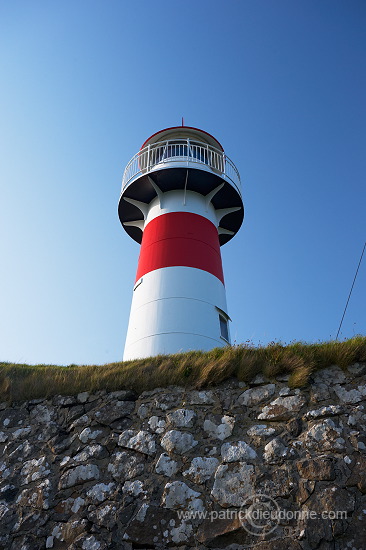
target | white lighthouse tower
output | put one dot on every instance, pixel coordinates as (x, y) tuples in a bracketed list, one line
[(181, 199)]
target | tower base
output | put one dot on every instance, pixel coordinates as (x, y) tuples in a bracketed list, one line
[(176, 309)]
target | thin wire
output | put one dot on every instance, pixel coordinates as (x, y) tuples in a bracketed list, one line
[(350, 292)]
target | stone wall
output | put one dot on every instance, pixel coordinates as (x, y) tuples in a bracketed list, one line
[(172, 468)]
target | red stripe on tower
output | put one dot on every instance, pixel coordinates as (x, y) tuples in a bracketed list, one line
[(180, 239)]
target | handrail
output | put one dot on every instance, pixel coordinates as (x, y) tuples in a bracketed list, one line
[(181, 151)]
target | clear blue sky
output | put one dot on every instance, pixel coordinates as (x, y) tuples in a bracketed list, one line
[(281, 84)]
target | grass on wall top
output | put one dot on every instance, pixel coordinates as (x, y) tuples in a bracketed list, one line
[(194, 369)]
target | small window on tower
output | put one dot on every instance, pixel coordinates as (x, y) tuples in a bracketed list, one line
[(223, 327)]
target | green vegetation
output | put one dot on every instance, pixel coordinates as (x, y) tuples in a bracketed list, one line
[(193, 369)]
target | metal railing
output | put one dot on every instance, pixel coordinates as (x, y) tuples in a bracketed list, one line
[(185, 153)]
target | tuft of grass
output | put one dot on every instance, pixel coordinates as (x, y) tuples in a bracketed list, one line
[(195, 369)]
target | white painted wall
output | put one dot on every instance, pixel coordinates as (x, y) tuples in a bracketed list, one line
[(178, 201), (174, 309)]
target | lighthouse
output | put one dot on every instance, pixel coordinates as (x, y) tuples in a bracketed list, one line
[(181, 201)]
